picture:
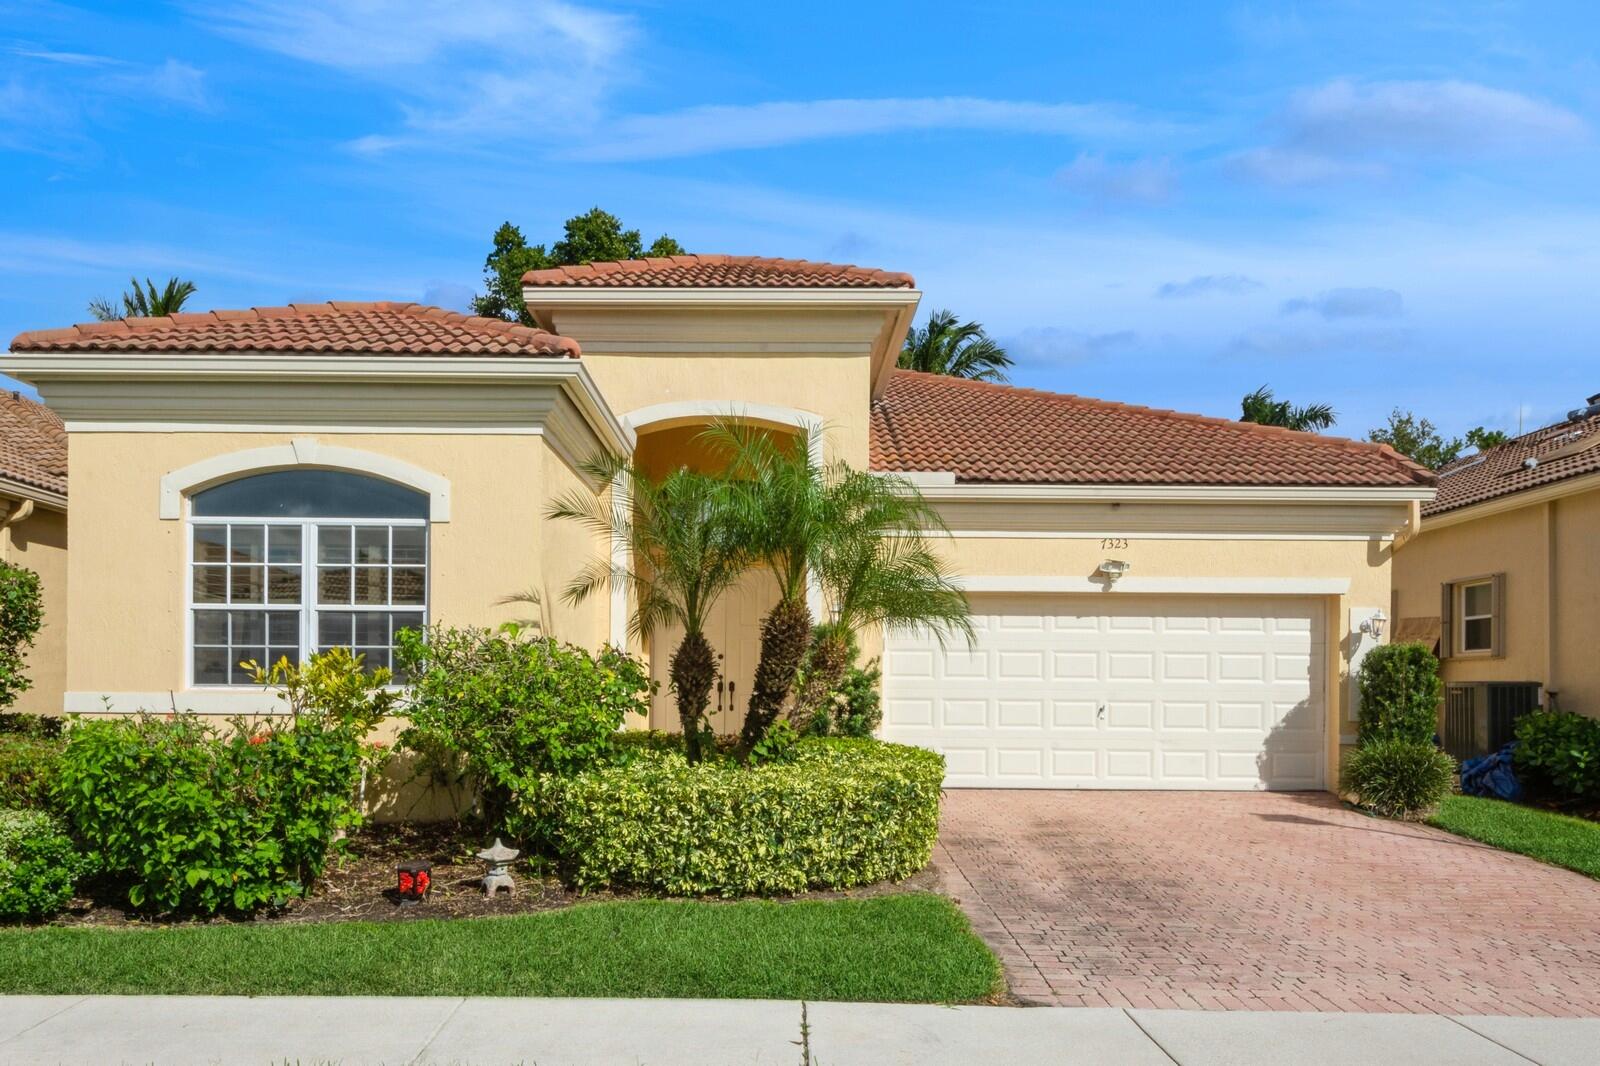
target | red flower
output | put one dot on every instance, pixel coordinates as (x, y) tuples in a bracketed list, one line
[(259, 738)]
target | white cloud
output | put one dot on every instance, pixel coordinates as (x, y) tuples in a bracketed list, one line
[(1052, 344), (1350, 303), (1205, 285), (1271, 342), (1421, 117), (1291, 166), (473, 68), (701, 130), (1345, 130), (1139, 181), (173, 81)]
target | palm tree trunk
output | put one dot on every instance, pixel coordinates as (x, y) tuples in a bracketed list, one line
[(692, 671), (829, 660), (785, 635)]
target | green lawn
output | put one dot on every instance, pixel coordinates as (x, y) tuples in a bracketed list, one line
[(912, 948), (1544, 835)]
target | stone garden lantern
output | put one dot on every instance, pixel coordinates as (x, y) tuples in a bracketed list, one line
[(498, 859)]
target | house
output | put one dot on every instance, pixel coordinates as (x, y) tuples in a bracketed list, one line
[(33, 534), (1504, 580), (1161, 600)]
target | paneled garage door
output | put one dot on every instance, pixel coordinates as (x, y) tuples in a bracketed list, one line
[(1117, 691)]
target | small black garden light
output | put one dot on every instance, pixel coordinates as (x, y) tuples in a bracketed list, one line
[(413, 880)]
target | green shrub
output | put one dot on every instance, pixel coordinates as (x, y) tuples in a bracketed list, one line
[(1400, 693), (28, 769), (21, 615), (1398, 778), (843, 812), (516, 711), (199, 819), (856, 708), (38, 866), (1561, 751)]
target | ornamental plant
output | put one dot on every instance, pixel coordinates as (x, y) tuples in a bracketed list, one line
[(516, 711), (836, 813), (1561, 751), (194, 818), (1397, 777), (38, 866), (1400, 693), (21, 615)]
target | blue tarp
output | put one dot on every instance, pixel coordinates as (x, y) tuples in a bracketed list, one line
[(1492, 775)]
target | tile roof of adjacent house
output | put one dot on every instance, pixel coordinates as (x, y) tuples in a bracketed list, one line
[(1002, 434), (1566, 450), (339, 327), (719, 272), (33, 444)]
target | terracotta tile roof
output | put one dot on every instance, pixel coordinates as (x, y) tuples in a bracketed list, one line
[(1002, 434), (719, 272), (387, 328), (1562, 451), (33, 444)]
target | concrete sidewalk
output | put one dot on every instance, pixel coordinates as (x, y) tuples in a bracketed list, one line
[(557, 1032)]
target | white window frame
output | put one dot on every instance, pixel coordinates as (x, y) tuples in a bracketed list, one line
[(1462, 618), (308, 608)]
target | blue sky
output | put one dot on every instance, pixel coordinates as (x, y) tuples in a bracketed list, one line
[(1369, 204)]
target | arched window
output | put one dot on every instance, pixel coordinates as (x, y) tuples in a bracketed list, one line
[(292, 562)]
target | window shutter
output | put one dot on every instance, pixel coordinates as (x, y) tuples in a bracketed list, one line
[(1447, 631), (1497, 637)]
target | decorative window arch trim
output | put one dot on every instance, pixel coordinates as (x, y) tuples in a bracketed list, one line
[(306, 452)]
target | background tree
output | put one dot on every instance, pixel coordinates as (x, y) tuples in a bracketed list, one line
[(146, 302), (1484, 439), (1418, 439), (21, 615), (957, 349), (876, 565), (595, 236), (1263, 409), (682, 554)]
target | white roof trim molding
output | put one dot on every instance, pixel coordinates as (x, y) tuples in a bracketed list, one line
[(301, 452)]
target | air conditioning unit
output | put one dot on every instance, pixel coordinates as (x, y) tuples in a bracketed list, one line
[(1481, 716)]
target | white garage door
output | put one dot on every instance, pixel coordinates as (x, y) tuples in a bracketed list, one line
[(1118, 691)]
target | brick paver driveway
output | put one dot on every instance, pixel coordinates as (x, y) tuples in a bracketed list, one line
[(1258, 901)]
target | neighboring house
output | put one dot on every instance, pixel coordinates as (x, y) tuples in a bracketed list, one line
[(33, 533), (1504, 579), (278, 480)]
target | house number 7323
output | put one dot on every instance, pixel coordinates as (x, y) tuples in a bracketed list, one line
[(1114, 543)]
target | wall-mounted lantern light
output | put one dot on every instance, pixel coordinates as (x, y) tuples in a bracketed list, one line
[(1373, 626)]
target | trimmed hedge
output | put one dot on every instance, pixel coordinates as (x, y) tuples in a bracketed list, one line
[(38, 865), (1400, 693), (843, 812)]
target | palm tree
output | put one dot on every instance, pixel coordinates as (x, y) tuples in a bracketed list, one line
[(1261, 408), (681, 553), (959, 350), (146, 302), (778, 513), (876, 566), (863, 537)]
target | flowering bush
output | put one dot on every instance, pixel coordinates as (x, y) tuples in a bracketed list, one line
[(199, 819)]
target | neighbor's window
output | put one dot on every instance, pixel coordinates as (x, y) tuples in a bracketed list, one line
[(294, 562), (1476, 610)]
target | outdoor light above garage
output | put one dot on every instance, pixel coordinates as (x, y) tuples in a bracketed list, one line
[(1112, 569)]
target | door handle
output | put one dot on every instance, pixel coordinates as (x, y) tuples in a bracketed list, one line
[(1101, 713)]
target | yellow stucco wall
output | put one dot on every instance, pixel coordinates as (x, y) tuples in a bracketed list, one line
[(39, 542), (126, 569), (1549, 552), (565, 547)]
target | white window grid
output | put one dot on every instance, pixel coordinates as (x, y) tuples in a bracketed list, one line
[(307, 611), (1485, 616)]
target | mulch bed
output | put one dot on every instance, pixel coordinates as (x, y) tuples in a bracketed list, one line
[(359, 885)]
